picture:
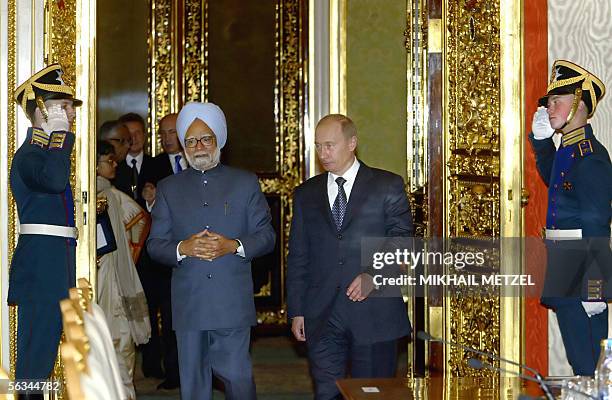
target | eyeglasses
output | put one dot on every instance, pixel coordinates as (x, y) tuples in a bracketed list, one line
[(205, 140)]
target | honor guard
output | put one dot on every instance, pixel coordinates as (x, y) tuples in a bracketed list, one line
[(43, 265), (579, 177)]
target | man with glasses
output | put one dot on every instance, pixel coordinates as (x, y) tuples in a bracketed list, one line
[(209, 222), (119, 137)]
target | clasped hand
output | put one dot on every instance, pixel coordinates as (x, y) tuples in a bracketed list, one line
[(207, 245)]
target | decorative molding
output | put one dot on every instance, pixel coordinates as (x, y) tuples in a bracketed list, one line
[(11, 148), (195, 51), (163, 98), (472, 107)]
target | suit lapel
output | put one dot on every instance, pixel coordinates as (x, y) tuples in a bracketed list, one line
[(169, 168), (323, 201), (359, 192)]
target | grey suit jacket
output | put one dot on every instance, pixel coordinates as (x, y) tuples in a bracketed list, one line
[(219, 294)]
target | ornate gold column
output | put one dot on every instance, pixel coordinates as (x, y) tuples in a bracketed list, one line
[(483, 128)]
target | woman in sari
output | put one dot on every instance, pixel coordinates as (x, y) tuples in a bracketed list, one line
[(120, 292)]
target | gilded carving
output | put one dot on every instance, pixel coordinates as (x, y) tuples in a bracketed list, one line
[(289, 92), (11, 148), (195, 61), (473, 106), (162, 52)]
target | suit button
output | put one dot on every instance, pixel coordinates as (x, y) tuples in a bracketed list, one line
[(562, 173), (209, 276), (207, 227), (205, 182), (556, 186), (341, 262), (205, 204), (339, 236)]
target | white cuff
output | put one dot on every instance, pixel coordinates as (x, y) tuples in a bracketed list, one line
[(240, 249), (179, 257)]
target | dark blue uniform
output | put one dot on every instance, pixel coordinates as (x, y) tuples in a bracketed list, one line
[(579, 180), (43, 267)]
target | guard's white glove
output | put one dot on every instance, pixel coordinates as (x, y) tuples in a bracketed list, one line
[(57, 120), (541, 125), (594, 308)]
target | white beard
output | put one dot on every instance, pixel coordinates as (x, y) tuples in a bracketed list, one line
[(204, 162)]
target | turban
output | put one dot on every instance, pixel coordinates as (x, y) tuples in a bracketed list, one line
[(208, 113)]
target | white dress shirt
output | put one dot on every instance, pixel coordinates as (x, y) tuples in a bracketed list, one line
[(332, 186), (183, 161), (138, 158)]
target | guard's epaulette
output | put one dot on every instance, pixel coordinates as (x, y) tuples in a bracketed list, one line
[(57, 140), (585, 147), (40, 138), (573, 137)]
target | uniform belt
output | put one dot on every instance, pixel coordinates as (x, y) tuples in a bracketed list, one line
[(49, 230), (563, 234)]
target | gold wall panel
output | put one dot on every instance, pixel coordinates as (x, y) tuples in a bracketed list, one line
[(195, 62), (163, 98), (472, 107)]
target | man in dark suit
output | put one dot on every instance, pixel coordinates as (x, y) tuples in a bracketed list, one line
[(154, 276), (329, 296), (43, 265), (133, 169), (209, 222)]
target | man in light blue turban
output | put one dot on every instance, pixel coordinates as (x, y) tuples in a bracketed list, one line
[(209, 222)]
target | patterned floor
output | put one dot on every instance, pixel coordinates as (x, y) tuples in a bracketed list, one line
[(273, 357), (280, 367)]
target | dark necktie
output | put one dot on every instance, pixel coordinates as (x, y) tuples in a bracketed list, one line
[(134, 179), (339, 207), (177, 164)]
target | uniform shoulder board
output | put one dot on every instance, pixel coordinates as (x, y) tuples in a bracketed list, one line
[(585, 147), (40, 138), (57, 140)]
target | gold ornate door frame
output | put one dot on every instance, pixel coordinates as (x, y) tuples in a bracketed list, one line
[(481, 172)]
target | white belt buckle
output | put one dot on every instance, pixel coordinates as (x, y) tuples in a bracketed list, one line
[(563, 234)]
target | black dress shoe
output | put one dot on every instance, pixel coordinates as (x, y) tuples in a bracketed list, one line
[(169, 385)]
